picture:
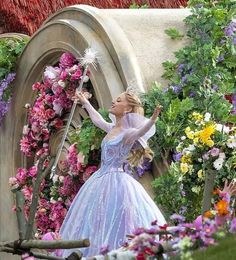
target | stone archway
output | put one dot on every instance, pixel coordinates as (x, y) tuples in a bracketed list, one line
[(131, 46)]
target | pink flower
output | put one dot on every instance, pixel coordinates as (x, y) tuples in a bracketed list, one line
[(27, 192), (25, 146), (13, 182), (26, 256), (57, 123), (21, 175), (88, 172), (76, 75), (233, 226), (63, 75), (67, 60), (57, 106), (36, 86), (49, 113), (32, 172)]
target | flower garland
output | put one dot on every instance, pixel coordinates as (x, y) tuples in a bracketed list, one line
[(45, 117)]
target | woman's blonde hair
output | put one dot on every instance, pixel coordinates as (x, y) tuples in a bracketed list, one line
[(137, 155)]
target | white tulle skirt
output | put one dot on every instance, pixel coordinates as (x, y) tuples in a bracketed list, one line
[(107, 208)]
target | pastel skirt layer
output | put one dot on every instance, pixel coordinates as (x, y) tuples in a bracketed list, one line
[(107, 208)]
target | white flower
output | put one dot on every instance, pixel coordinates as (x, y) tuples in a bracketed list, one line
[(61, 83), (51, 73), (218, 163), (25, 129), (222, 156), (207, 117), (52, 201), (222, 128), (183, 137), (55, 178), (191, 147), (231, 142), (61, 178)]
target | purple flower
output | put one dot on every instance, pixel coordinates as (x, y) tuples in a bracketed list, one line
[(233, 226), (234, 40), (165, 90), (214, 152), (177, 156), (192, 94), (176, 88), (230, 29), (177, 217), (180, 67), (220, 58)]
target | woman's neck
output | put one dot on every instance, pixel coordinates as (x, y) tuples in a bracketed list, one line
[(118, 122)]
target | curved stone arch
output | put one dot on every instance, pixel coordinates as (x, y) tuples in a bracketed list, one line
[(113, 37)]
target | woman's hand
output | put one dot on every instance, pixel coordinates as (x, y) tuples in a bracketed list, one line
[(156, 113), (82, 98), (230, 188)]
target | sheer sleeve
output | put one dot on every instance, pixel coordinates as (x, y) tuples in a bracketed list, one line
[(134, 134), (96, 118)]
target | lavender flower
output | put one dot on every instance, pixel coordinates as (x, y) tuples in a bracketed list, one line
[(176, 88), (177, 156), (192, 94), (233, 226), (177, 217), (4, 104), (220, 58), (230, 29)]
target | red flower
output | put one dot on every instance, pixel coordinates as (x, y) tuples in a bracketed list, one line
[(141, 256)]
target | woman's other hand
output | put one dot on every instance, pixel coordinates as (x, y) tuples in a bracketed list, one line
[(156, 112)]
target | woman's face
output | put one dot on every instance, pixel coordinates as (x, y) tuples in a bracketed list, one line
[(120, 106)]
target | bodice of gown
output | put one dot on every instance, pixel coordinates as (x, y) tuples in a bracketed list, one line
[(114, 153)]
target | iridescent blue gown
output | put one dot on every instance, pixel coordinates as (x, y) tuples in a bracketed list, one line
[(111, 204)]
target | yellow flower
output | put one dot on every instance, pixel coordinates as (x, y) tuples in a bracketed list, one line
[(186, 158), (210, 143), (196, 140), (187, 129), (190, 135), (200, 174), (184, 167), (206, 133), (197, 116)]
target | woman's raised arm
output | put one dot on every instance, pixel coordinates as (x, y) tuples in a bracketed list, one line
[(96, 118), (135, 133)]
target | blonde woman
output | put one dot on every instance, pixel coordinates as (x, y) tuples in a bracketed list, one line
[(111, 204)]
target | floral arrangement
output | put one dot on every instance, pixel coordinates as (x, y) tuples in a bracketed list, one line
[(46, 117), (201, 80), (184, 238), (10, 49)]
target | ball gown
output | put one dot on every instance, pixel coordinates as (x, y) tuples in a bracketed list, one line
[(111, 203)]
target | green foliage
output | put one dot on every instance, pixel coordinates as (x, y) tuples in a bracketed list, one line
[(199, 78), (88, 138), (9, 51), (224, 250), (171, 121), (174, 33)]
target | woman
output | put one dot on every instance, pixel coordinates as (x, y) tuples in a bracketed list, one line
[(111, 204)]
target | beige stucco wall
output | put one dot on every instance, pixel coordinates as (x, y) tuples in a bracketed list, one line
[(131, 46)]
